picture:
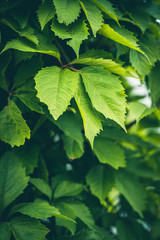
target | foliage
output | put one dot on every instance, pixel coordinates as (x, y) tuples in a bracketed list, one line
[(79, 149)]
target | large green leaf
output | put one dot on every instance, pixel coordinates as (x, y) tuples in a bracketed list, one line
[(13, 179), (93, 15), (39, 210), (45, 12), (67, 10), (42, 186), (4, 231), (66, 210), (91, 119), (26, 46), (109, 152), (132, 190), (13, 128), (106, 7), (107, 94), (101, 180), (57, 89), (76, 32), (68, 189), (24, 228), (120, 35)]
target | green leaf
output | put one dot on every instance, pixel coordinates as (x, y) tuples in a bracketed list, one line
[(154, 84), (45, 13), (109, 152), (73, 138), (140, 17), (24, 228), (93, 15), (77, 32), (66, 210), (139, 110), (91, 120), (108, 64), (29, 156), (106, 7), (27, 32), (67, 189), (125, 230), (27, 70), (101, 180), (120, 35), (107, 94), (27, 94), (83, 213), (132, 190), (4, 60), (72, 148), (13, 179), (57, 89), (13, 128), (139, 61), (67, 10), (24, 45), (38, 210), (4, 231), (42, 186)]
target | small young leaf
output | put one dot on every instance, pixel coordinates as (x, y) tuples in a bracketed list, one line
[(13, 179), (67, 10), (57, 89), (25, 228), (13, 128), (42, 186)]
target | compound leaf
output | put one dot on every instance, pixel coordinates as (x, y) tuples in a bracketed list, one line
[(42, 186)]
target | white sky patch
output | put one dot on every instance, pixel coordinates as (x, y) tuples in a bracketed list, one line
[(140, 90)]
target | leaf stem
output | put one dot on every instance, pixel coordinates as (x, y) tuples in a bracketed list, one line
[(62, 51)]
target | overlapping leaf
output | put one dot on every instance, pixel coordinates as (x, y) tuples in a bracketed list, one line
[(106, 94)]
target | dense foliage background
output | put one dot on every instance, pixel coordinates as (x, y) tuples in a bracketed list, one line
[(80, 152)]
